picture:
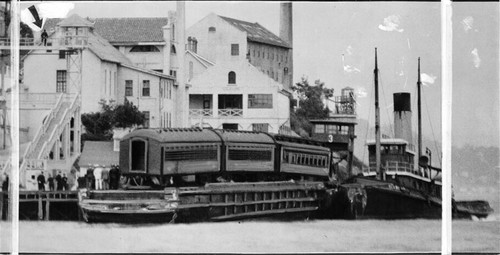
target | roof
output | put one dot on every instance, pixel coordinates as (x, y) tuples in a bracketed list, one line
[(75, 21), (99, 152), (171, 135), (205, 62), (105, 51), (235, 136), (140, 69), (125, 30), (388, 141), (257, 33)]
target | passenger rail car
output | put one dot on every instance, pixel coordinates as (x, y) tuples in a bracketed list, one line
[(173, 157)]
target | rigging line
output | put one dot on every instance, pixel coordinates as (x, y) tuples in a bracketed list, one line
[(368, 122), (385, 101), (432, 129)]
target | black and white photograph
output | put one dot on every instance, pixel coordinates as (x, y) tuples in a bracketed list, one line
[(249, 127)]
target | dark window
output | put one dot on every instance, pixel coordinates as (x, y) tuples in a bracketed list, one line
[(195, 153), (129, 88), (62, 54), (235, 49), (211, 29), (231, 77), (172, 50), (61, 81), (146, 119), (145, 88), (255, 155), (144, 48), (230, 126), (173, 73), (138, 156), (260, 127), (158, 70), (260, 101)]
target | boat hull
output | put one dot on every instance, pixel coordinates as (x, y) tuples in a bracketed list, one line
[(90, 215)]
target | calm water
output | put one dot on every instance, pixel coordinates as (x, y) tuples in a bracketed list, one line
[(254, 236)]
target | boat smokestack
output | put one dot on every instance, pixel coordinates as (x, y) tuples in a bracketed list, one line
[(402, 116)]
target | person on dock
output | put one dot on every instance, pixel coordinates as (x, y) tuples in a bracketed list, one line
[(98, 177), (89, 177), (44, 37), (105, 178), (65, 182), (50, 180), (41, 181), (114, 177), (72, 179), (59, 181)]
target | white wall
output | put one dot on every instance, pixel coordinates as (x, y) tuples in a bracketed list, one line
[(216, 47)]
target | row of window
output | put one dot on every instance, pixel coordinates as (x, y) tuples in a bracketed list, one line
[(330, 129), (305, 159), (166, 120), (273, 56), (165, 88)]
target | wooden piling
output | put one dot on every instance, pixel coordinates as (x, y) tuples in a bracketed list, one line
[(47, 209), (40, 207)]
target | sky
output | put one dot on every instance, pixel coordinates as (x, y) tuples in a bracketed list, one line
[(334, 42)]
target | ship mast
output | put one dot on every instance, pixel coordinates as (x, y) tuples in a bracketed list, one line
[(377, 123), (419, 114)]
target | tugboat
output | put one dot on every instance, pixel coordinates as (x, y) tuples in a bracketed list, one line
[(393, 186)]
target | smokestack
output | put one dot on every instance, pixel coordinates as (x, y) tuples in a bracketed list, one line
[(180, 37), (286, 33), (402, 116)]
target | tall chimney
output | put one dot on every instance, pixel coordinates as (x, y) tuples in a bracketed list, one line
[(402, 116), (180, 38), (286, 33)]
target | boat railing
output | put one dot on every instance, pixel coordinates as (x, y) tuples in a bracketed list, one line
[(394, 167)]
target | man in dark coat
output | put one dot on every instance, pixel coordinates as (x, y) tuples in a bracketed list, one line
[(51, 182), (5, 183), (114, 177), (59, 181), (64, 182), (41, 181), (89, 177), (44, 37)]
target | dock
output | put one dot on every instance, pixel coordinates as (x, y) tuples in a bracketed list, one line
[(42, 205)]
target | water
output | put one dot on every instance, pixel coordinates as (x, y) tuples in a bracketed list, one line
[(254, 236)]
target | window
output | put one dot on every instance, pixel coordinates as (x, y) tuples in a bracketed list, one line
[(231, 78), (258, 53), (173, 32), (260, 127), (61, 81), (62, 54), (129, 88), (211, 29), (145, 88), (173, 73), (144, 48), (146, 119), (319, 129), (260, 101), (172, 50), (235, 49)]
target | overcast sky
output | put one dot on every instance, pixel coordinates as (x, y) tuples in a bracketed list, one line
[(324, 32)]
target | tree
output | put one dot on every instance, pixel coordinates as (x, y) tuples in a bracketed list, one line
[(99, 125), (311, 105)]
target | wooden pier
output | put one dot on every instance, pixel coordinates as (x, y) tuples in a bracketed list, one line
[(43, 199)]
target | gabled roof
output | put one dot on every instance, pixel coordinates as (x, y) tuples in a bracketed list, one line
[(75, 21), (124, 30), (257, 33)]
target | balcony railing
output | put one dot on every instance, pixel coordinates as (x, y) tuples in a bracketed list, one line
[(230, 112), (200, 112), (25, 41)]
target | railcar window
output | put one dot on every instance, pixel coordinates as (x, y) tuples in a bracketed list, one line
[(256, 155), (194, 154)]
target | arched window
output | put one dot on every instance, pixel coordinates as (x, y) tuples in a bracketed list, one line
[(231, 77), (172, 50), (211, 29)]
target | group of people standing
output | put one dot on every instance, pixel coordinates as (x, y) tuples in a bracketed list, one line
[(59, 182), (99, 178)]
